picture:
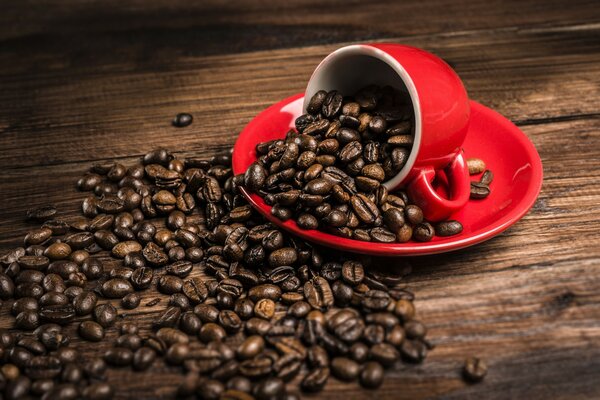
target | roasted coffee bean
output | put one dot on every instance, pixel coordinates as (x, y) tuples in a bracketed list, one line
[(479, 190), (382, 235), (141, 278), (118, 356), (264, 308), (475, 166), (345, 369), (105, 315), (487, 177), (7, 287), (474, 369), (38, 263), (332, 104), (315, 380), (116, 288), (195, 289), (122, 249), (211, 332), (316, 102), (413, 351), (353, 272), (384, 353), (364, 208), (168, 318), (169, 284), (229, 320), (58, 314), (372, 375), (84, 303), (131, 301), (448, 228), (347, 325), (92, 331), (179, 300), (182, 120), (143, 358), (37, 236), (42, 213), (423, 232), (318, 293)]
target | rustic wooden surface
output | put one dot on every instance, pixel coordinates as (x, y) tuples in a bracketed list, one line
[(98, 81)]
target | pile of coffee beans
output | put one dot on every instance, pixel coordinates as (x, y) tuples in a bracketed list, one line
[(243, 308), (329, 172)]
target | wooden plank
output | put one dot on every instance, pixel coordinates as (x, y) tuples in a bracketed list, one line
[(215, 26), (64, 114)]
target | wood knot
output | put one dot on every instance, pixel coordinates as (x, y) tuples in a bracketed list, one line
[(562, 301)]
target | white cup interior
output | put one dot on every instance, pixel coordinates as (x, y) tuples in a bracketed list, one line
[(351, 68)]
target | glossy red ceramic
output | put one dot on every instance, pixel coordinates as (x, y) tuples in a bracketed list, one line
[(441, 114), (506, 150)]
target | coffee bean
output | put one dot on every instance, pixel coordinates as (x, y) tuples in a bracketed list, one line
[(475, 166), (92, 331), (423, 232), (315, 380), (479, 190), (448, 228), (116, 288), (122, 249), (413, 351), (195, 290), (143, 358), (182, 120), (211, 332), (372, 375), (169, 284), (345, 369), (318, 293), (105, 315), (364, 208), (58, 314), (118, 356), (382, 235), (42, 213), (37, 236), (131, 301), (84, 303), (332, 104), (141, 278), (474, 369), (487, 177), (265, 308)]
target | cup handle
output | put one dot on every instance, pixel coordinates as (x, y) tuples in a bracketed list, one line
[(435, 207)]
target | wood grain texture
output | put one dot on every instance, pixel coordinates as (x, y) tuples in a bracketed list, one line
[(84, 82)]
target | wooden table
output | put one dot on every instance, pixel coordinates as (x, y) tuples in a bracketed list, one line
[(92, 81)]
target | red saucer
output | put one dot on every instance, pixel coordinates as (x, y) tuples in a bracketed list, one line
[(505, 148)]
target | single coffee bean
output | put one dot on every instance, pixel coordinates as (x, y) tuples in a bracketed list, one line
[(448, 228), (116, 288), (131, 301), (479, 190), (423, 232), (487, 177), (318, 293), (92, 331), (475, 165), (372, 375), (182, 120), (345, 369), (105, 315), (143, 358), (315, 380), (474, 369)]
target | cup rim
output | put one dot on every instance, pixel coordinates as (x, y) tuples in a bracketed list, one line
[(368, 50)]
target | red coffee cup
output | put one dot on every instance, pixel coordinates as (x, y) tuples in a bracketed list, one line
[(441, 115)]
